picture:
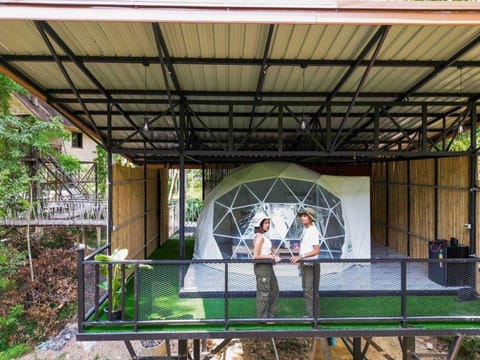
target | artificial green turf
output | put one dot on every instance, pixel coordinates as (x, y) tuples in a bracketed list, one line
[(159, 300)]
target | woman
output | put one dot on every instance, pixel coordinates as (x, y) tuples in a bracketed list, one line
[(309, 248), (267, 284)]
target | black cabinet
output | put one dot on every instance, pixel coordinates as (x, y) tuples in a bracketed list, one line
[(459, 274)]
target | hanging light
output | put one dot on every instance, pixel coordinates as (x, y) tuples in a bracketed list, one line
[(145, 127), (303, 123), (145, 124)]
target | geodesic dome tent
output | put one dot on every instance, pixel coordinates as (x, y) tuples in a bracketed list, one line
[(280, 189)]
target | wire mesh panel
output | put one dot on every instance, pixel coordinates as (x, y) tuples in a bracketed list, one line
[(241, 290), (92, 291), (444, 288), (369, 289)]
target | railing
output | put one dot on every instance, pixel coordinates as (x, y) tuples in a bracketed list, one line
[(380, 295), (62, 210)]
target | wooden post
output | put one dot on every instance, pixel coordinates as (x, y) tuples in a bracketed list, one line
[(320, 350)]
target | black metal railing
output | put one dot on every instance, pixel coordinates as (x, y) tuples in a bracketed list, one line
[(401, 292)]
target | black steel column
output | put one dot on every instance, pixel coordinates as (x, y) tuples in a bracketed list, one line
[(182, 349), (409, 213), (435, 199), (145, 205), (280, 128), (80, 288), (357, 348), (109, 177), (181, 199), (387, 200), (472, 203), (376, 129)]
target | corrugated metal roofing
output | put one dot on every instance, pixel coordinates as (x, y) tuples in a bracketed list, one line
[(242, 80)]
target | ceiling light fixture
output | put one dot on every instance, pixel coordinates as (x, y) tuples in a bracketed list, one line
[(145, 127), (303, 123)]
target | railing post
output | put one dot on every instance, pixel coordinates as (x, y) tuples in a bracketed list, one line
[(403, 291), (226, 295), (316, 289), (135, 297), (80, 287)]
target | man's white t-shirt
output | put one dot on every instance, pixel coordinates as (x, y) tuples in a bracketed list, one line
[(310, 238)]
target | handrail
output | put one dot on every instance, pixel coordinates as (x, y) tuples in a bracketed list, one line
[(403, 318)]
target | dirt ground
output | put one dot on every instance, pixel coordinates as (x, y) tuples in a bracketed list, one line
[(65, 347)]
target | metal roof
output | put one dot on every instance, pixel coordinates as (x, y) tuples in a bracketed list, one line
[(239, 90)]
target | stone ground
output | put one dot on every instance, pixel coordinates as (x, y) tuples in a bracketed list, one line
[(65, 347)]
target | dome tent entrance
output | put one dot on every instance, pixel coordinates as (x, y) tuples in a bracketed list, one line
[(280, 189)]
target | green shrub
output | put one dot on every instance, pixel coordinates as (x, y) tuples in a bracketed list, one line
[(9, 325), (14, 351), (192, 209), (10, 260)]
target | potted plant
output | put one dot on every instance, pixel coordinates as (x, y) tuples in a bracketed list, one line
[(117, 282)]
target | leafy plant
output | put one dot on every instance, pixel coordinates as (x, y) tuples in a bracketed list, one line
[(192, 209), (9, 325), (100, 162), (117, 281)]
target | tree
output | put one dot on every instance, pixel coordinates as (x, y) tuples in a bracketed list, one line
[(20, 139)]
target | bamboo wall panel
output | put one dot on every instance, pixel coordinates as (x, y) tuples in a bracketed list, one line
[(422, 172), (378, 198), (397, 207), (379, 171), (422, 220), (422, 206), (453, 215), (153, 208), (453, 172), (452, 207), (453, 198), (128, 211)]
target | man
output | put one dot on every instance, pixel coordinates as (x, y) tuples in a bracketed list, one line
[(309, 248)]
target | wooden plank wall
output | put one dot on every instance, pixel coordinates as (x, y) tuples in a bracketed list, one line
[(395, 184), (128, 211)]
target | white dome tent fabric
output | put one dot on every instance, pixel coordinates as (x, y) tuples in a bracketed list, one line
[(280, 189)]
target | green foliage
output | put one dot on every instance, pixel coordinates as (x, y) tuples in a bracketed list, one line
[(10, 325), (117, 281), (7, 87), (19, 139), (69, 163), (192, 209), (11, 260), (100, 162), (14, 352)]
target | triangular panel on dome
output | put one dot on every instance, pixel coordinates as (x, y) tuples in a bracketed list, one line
[(319, 196), (227, 226), (299, 188), (279, 193), (244, 197), (228, 198), (243, 217), (260, 188)]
